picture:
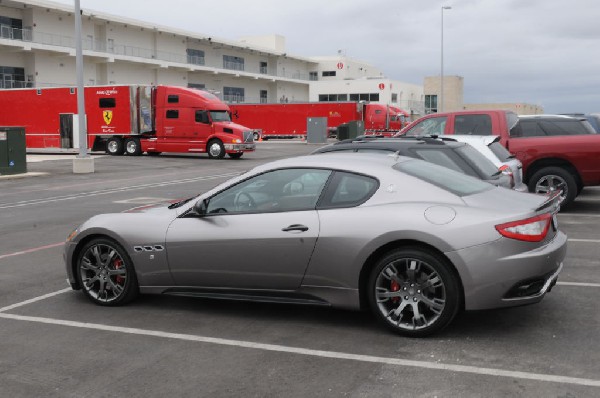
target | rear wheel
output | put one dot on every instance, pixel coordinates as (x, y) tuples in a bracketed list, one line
[(551, 179), (114, 146), (215, 149), (413, 292), (236, 155), (106, 273), (133, 147)]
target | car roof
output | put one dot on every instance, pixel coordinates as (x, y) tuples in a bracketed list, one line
[(398, 143)]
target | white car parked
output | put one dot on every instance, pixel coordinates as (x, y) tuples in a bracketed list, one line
[(491, 148)]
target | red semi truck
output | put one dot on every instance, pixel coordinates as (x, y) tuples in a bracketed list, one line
[(128, 119), (289, 120)]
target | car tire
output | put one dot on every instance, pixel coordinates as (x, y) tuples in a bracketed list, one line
[(413, 292), (133, 147), (114, 146), (549, 179), (215, 149), (105, 273), (236, 155)]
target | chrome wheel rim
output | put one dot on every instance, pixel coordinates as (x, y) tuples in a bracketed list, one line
[(550, 184), (112, 146), (215, 149), (103, 273), (131, 146), (410, 294)]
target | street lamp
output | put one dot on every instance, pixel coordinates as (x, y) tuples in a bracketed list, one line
[(441, 104)]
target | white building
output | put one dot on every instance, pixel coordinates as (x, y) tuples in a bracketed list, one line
[(37, 49)]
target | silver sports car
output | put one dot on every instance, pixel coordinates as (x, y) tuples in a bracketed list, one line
[(410, 240)]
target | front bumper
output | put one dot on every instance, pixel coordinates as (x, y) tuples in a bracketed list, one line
[(240, 147), (492, 273)]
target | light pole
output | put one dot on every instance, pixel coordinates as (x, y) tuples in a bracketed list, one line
[(441, 104)]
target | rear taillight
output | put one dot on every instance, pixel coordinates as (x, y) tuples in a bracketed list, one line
[(505, 169), (532, 229)]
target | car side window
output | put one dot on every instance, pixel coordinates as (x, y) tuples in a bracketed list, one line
[(430, 126), (473, 124), (528, 128), (443, 158), (348, 190), (275, 191)]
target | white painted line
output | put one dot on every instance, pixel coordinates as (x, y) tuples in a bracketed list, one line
[(35, 299), (584, 240), (579, 214), (315, 353), (114, 190), (35, 249), (579, 284)]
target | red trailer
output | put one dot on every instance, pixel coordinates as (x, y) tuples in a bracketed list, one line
[(129, 119), (289, 120)]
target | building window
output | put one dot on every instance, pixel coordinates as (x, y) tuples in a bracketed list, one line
[(430, 104), (333, 97), (12, 77), (263, 68), (394, 98), (233, 94), (172, 114), (11, 28), (231, 62), (263, 96), (195, 57), (365, 97), (313, 76), (328, 73)]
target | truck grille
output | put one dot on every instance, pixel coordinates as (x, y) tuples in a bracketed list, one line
[(248, 136)]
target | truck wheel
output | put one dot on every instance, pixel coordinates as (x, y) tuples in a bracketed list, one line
[(133, 147), (236, 155), (551, 179), (215, 149), (114, 146), (256, 136)]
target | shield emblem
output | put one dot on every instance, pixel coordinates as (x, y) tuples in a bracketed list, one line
[(107, 116)]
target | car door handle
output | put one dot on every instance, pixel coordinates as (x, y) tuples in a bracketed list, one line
[(296, 227)]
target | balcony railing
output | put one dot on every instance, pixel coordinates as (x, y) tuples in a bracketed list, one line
[(109, 47)]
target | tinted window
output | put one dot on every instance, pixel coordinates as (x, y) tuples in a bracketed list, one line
[(563, 127), (444, 178), (275, 191), (172, 114), (442, 158), (485, 166), (527, 128), (172, 99), (430, 126), (107, 102), (348, 190), (500, 152), (473, 124)]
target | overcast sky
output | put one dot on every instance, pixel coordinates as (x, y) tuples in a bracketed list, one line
[(543, 52)]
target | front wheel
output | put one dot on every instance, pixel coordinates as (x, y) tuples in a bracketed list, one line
[(106, 273), (215, 149), (413, 292), (114, 146), (551, 179)]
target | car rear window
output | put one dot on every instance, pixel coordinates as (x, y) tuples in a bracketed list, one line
[(444, 178), (478, 160), (500, 152)]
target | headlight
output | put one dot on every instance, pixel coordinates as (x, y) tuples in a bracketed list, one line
[(237, 141), (73, 234)]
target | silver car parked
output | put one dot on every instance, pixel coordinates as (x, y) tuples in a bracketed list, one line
[(412, 241)]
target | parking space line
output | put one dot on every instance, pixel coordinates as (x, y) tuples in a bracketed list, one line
[(292, 350), (35, 249), (581, 284), (314, 353), (584, 240)]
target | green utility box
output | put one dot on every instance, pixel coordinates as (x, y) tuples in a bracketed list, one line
[(352, 129), (13, 157)]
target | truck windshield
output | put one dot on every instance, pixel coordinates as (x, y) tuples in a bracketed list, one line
[(220, 116)]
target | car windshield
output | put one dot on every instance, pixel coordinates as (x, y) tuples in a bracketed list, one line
[(500, 152), (220, 116), (444, 178)]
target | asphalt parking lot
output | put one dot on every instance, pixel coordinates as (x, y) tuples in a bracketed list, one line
[(55, 343)]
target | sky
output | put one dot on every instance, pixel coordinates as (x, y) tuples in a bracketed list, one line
[(541, 52)]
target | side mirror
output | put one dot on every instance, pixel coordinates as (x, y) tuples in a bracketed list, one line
[(200, 207)]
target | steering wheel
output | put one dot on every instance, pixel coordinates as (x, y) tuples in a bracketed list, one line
[(243, 201)]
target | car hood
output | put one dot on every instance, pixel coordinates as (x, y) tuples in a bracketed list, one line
[(158, 207)]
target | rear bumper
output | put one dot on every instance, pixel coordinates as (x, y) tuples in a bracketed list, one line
[(509, 273)]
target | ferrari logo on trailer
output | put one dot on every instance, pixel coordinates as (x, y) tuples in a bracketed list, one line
[(107, 116)]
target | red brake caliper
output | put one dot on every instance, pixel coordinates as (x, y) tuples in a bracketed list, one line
[(395, 287), (118, 263)]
